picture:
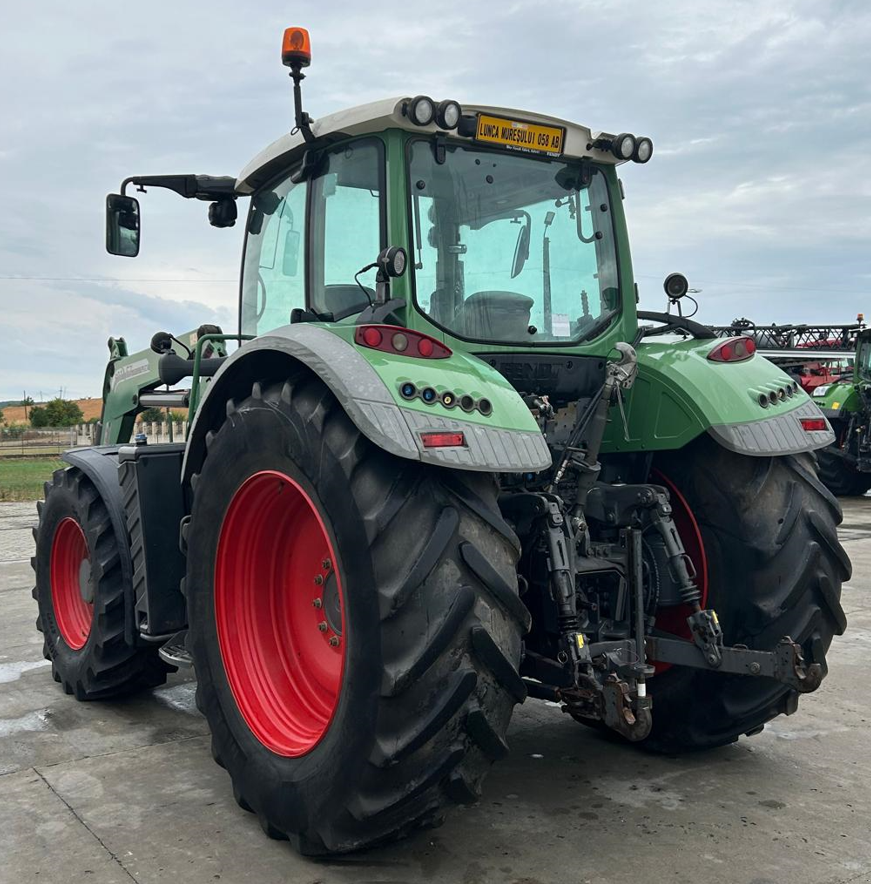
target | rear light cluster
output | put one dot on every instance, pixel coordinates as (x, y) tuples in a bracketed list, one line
[(772, 397), (733, 350), (430, 396), (400, 341)]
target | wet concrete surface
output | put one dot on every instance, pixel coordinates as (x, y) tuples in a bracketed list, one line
[(127, 790)]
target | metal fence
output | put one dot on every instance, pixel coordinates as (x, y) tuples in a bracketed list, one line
[(30, 442)]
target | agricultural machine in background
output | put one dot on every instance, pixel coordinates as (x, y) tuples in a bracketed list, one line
[(833, 364), (444, 469)]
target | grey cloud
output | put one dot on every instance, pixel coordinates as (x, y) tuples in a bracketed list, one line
[(760, 112)]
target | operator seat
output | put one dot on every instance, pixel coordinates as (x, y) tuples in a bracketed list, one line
[(343, 299), (495, 316)]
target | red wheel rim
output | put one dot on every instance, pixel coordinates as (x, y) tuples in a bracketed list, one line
[(674, 619), (279, 613), (69, 572)]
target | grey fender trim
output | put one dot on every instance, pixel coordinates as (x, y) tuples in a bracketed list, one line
[(370, 405), (779, 434)]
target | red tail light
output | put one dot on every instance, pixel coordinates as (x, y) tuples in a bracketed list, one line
[(401, 341), (733, 350), (813, 424), (443, 440)]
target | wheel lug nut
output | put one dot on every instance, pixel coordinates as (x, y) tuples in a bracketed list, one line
[(317, 603), (334, 641), (319, 580), (327, 564), (322, 626)]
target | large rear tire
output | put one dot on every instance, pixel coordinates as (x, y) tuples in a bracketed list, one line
[(392, 623), (80, 593), (839, 475), (772, 566)]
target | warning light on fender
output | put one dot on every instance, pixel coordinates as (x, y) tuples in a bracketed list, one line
[(443, 440), (813, 424)]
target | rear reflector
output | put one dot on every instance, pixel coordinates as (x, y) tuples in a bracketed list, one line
[(812, 424), (733, 350), (443, 440)]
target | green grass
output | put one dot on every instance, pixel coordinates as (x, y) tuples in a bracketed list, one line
[(22, 478)]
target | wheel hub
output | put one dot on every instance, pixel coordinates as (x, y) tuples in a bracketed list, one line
[(279, 613), (72, 593)]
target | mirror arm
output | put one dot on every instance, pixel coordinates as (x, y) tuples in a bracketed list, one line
[(202, 187)]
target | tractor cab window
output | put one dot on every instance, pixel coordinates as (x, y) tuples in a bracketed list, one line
[(346, 228), (510, 248), (863, 357), (306, 241), (273, 275)]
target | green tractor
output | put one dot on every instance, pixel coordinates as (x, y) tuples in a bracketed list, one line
[(833, 364), (447, 466)]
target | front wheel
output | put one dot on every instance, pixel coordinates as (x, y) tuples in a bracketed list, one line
[(839, 475), (354, 623), (762, 532)]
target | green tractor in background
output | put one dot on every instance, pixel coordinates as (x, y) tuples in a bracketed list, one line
[(833, 364), (447, 467)]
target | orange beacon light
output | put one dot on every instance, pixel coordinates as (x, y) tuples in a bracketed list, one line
[(296, 50)]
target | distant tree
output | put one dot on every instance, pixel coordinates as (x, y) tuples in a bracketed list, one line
[(179, 416), (57, 413), (152, 414), (1, 415), (26, 401)]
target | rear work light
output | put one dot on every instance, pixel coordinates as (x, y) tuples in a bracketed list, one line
[(443, 440), (733, 350), (401, 341), (813, 424)]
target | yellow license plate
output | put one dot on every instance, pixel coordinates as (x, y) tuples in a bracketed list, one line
[(521, 136)]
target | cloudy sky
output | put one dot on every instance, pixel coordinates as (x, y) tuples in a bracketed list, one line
[(760, 188)]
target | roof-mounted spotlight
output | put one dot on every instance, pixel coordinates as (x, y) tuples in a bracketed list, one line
[(643, 150), (421, 110), (623, 146), (447, 115)]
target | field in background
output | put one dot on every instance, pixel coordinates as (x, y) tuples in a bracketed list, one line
[(22, 478), (14, 414)]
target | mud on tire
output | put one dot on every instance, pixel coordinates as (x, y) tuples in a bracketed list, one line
[(433, 626), (104, 665), (775, 568)]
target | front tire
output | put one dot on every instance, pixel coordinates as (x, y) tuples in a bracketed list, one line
[(80, 593), (774, 567), (412, 708)]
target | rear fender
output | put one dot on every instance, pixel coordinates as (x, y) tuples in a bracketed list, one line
[(366, 383), (679, 394)]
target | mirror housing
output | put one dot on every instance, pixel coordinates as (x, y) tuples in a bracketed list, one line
[(122, 225)]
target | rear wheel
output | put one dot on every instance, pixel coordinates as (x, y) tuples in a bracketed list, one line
[(80, 593), (839, 475), (772, 566), (354, 623)]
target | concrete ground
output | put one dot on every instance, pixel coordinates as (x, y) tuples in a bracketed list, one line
[(127, 791)]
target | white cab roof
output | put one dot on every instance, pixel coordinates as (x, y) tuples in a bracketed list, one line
[(388, 114)]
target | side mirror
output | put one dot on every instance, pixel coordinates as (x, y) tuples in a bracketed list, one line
[(521, 250), (122, 225), (290, 258)]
